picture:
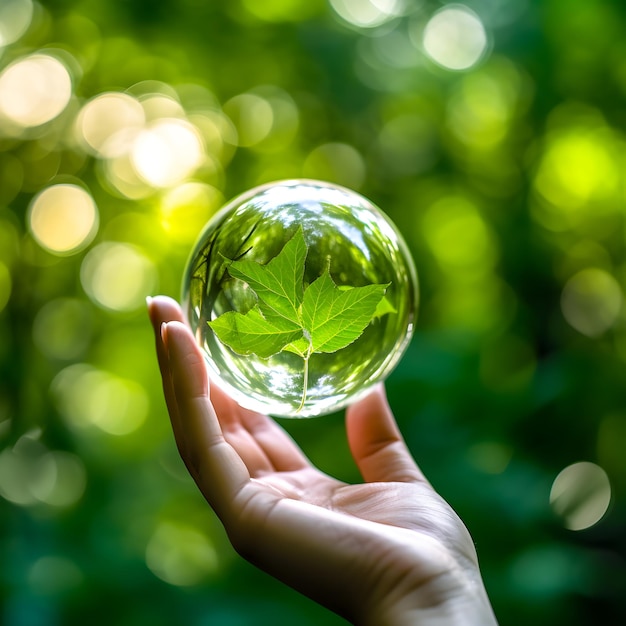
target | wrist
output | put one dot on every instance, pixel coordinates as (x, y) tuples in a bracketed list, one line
[(440, 603)]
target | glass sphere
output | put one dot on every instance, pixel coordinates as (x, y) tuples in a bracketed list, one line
[(302, 295)]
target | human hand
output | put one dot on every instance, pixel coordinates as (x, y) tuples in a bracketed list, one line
[(388, 552)]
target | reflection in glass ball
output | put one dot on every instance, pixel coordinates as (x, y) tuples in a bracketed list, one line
[(302, 296)]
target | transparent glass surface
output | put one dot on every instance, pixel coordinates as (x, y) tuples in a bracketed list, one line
[(344, 233)]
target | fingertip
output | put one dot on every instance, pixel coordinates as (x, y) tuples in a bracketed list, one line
[(163, 309), (374, 402)]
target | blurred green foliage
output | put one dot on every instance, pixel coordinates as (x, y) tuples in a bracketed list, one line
[(491, 132)]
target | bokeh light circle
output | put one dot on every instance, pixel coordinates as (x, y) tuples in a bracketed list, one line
[(63, 218), (108, 123), (167, 151), (591, 301), (118, 276), (455, 38), (344, 234), (88, 397), (15, 18), (581, 495), (34, 90), (367, 13)]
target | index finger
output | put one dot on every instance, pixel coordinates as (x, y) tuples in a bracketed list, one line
[(214, 464)]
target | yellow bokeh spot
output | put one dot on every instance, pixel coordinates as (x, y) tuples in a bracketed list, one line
[(186, 209), (577, 174), (455, 38), (34, 90), (158, 106), (180, 554), (591, 301), (108, 123), (167, 152), (63, 219), (89, 397), (459, 238), (480, 112), (118, 276), (218, 133), (581, 495), (121, 175)]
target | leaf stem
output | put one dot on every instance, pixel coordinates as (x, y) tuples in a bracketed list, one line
[(305, 380)]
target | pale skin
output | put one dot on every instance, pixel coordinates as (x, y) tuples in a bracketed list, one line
[(387, 552)]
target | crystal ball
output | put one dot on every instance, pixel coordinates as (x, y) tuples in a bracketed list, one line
[(302, 296)]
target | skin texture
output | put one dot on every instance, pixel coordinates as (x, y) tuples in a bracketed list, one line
[(389, 551)]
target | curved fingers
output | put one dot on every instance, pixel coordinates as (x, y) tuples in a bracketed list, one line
[(376, 443), (273, 450)]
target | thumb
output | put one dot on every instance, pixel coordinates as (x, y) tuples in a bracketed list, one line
[(376, 443)]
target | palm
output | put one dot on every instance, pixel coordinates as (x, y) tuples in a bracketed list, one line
[(279, 466), (281, 477)]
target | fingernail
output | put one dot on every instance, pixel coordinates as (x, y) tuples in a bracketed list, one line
[(163, 331)]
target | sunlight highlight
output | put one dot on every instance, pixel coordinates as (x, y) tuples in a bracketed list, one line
[(367, 13), (63, 219), (34, 90), (167, 152), (108, 123), (455, 38)]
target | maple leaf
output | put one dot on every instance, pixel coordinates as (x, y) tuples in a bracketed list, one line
[(287, 317), (252, 333)]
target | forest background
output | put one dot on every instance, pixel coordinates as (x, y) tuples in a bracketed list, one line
[(491, 131)]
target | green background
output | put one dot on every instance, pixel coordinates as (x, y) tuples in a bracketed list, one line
[(506, 178)]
